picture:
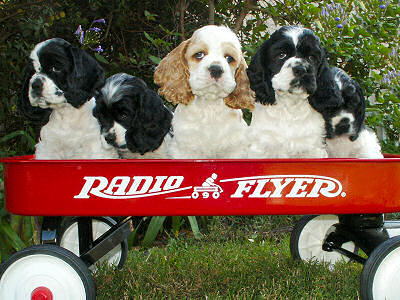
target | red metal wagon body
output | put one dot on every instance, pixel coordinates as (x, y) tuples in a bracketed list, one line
[(165, 187), (359, 191)]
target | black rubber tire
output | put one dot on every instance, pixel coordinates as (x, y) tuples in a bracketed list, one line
[(371, 266), (295, 235), (67, 256), (68, 221)]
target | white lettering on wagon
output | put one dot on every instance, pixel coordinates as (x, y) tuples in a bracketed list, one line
[(288, 186), (271, 186), (126, 187)]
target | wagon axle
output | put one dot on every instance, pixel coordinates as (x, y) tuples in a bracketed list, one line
[(366, 231), (341, 237)]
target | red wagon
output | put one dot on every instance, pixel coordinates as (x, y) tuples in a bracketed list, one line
[(346, 199)]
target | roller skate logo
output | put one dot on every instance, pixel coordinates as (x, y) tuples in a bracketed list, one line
[(208, 187)]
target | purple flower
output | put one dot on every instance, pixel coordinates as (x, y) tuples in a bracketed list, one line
[(82, 37), (387, 78), (382, 6), (79, 30), (339, 25), (334, 11), (95, 29), (100, 21), (98, 49)]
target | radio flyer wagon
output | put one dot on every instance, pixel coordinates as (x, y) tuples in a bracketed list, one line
[(343, 199)]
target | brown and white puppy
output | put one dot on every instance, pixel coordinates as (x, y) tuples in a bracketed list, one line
[(206, 77)]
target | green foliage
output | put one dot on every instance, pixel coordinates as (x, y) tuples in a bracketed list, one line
[(157, 223)]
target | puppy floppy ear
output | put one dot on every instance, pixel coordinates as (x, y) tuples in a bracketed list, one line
[(32, 112), (242, 96), (260, 79), (85, 79), (152, 122), (327, 96), (172, 75), (355, 101), (102, 113)]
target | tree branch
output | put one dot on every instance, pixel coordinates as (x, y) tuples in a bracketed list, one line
[(182, 7), (182, 4), (22, 5), (211, 12), (239, 21), (109, 22)]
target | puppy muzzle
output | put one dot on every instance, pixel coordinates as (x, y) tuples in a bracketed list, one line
[(304, 77), (37, 87), (43, 92), (111, 139)]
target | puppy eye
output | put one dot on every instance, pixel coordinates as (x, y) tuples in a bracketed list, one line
[(312, 58), (282, 55), (199, 55), (123, 116), (229, 59), (55, 70)]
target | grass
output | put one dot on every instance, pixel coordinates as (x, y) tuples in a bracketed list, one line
[(234, 260)]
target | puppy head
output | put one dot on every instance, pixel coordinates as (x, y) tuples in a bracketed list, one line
[(349, 117), (210, 63), (132, 117), (59, 73), (289, 62)]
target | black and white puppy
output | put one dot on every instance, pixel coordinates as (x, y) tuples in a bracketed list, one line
[(60, 84), (133, 118), (284, 72), (347, 135)]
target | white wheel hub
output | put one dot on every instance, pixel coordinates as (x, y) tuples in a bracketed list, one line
[(26, 274)]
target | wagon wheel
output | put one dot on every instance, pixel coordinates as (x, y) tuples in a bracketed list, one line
[(68, 239), (309, 234), (380, 275), (46, 272)]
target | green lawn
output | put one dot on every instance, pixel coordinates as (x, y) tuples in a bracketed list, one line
[(234, 260)]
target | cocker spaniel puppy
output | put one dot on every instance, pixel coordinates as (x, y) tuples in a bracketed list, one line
[(133, 118), (284, 73), (206, 77), (60, 84), (347, 135)]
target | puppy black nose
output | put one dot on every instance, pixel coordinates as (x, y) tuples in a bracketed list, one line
[(299, 70), (110, 138), (215, 71), (37, 85)]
